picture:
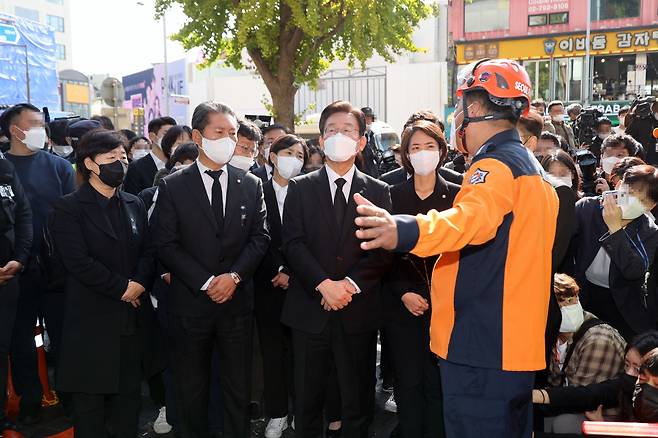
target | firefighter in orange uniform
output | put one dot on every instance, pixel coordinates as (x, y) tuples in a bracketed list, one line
[(491, 285)]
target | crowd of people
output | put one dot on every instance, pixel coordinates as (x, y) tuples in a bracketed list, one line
[(523, 256)]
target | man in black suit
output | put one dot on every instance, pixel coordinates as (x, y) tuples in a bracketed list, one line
[(141, 172), (211, 236), (333, 302)]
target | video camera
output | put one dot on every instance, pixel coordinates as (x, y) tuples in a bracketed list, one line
[(588, 167), (585, 126), (643, 107)]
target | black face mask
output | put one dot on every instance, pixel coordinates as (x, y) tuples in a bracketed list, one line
[(645, 403), (628, 384), (112, 174)]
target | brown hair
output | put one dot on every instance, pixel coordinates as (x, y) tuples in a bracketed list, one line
[(644, 178), (565, 287), (428, 128), (342, 106), (533, 123)]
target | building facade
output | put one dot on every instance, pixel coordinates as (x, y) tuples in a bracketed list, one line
[(549, 38), (54, 13)]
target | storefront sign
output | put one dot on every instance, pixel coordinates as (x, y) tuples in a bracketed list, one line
[(601, 43), (547, 6)]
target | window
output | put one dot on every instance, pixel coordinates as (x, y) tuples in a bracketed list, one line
[(30, 14), (611, 75), (486, 15), (537, 20), (539, 72), (57, 2), (61, 52), (558, 18), (610, 9), (57, 23)]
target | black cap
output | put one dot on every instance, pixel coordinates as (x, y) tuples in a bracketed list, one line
[(367, 111), (77, 129)]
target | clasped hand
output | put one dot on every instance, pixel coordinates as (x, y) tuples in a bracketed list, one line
[(336, 294), (132, 293), (221, 288)]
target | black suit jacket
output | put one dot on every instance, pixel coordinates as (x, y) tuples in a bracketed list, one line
[(140, 175), (317, 250), (399, 175), (261, 172), (98, 273), (274, 257), (193, 249)]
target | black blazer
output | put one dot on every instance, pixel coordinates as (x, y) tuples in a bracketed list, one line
[(261, 172), (140, 175), (627, 269), (317, 250), (193, 249), (404, 277), (274, 258), (399, 175), (98, 273)]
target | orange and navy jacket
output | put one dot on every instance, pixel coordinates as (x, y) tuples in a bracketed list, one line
[(491, 284)]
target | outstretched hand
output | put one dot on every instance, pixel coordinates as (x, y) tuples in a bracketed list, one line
[(376, 225)]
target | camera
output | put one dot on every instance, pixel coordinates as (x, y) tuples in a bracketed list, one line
[(588, 167), (585, 126), (643, 107), (387, 162)]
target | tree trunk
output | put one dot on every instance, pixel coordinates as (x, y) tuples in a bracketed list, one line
[(283, 101)]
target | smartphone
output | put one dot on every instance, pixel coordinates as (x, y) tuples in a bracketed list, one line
[(621, 197)]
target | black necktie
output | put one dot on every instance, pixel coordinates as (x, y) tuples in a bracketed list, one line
[(340, 203), (217, 197)]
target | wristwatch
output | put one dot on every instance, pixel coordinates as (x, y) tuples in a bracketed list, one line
[(236, 278)]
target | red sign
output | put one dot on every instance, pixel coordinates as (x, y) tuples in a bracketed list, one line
[(547, 6)]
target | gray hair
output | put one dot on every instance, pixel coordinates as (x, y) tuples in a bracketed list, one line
[(203, 110)]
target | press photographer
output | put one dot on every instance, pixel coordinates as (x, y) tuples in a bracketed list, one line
[(585, 127), (640, 122)]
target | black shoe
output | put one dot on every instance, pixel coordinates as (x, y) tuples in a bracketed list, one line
[(333, 433)]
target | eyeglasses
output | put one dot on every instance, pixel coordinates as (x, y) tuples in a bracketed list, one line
[(350, 132)]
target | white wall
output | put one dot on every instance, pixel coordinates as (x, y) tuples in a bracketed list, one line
[(414, 87)]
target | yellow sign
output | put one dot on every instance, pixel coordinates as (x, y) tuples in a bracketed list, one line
[(601, 43), (76, 93)]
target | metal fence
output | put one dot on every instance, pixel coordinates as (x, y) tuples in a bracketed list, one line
[(361, 88)]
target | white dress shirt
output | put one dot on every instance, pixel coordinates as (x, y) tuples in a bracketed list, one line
[(280, 192), (159, 164), (208, 181), (347, 187), (348, 177)]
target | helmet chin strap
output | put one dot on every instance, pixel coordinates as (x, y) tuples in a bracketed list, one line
[(468, 120)]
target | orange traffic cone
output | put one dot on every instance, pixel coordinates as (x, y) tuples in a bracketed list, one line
[(49, 396), (13, 399)]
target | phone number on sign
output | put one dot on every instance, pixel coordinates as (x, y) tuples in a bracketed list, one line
[(539, 6)]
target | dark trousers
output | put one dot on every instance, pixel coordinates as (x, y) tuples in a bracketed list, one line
[(24, 364), (385, 360), (168, 374), (116, 415), (354, 357), (417, 379), (193, 340), (332, 403), (276, 349), (8, 304), (482, 402), (599, 301)]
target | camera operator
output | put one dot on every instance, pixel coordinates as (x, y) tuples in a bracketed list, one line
[(640, 122), (370, 159), (557, 125), (573, 111), (613, 150), (603, 131)]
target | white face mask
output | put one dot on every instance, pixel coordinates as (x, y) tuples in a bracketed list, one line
[(219, 151), (603, 136), (266, 153), (609, 163), (558, 118), (655, 116), (139, 153), (241, 162), (425, 162), (62, 150), (572, 318), (288, 167), (35, 138), (561, 181), (632, 208), (340, 148)]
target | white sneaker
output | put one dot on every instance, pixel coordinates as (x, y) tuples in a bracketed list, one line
[(390, 405), (275, 427), (160, 426)]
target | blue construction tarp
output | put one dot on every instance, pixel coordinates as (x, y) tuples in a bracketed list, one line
[(17, 34)]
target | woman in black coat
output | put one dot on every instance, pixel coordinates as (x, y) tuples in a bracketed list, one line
[(407, 292), (101, 235), (288, 154)]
